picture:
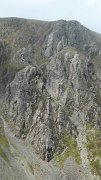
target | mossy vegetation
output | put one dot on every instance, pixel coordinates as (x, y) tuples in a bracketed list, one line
[(89, 126), (31, 168), (94, 149), (3, 145), (3, 154), (13, 67), (67, 147), (9, 69), (40, 57), (11, 37), (72, 51)]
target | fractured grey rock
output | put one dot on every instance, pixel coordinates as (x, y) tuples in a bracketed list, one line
[(50, 79)]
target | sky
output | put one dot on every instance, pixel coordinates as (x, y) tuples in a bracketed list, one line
[(87, 12)]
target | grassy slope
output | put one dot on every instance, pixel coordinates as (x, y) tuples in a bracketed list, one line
[(67, 147), (94, 149)]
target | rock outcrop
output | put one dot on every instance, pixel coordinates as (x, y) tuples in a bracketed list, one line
[(50, 83)]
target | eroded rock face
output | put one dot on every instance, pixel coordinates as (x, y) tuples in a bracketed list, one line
[(55, 87), (44, 108), (70, 33)]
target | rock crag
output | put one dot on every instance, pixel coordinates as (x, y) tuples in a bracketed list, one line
[(50, 88)]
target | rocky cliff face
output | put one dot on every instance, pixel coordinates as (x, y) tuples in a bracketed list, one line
[(50, 84)]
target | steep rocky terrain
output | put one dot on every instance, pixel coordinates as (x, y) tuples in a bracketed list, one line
[(50, 96)]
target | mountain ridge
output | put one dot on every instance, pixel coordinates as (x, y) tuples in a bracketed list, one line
[(51, 93)]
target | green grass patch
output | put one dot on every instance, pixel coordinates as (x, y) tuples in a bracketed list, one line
[(11, 37), (31, 168), (94, 149), (3, 154), (67, 147), (4, 143)]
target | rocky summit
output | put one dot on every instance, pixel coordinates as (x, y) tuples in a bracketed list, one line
[(50, 100)]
